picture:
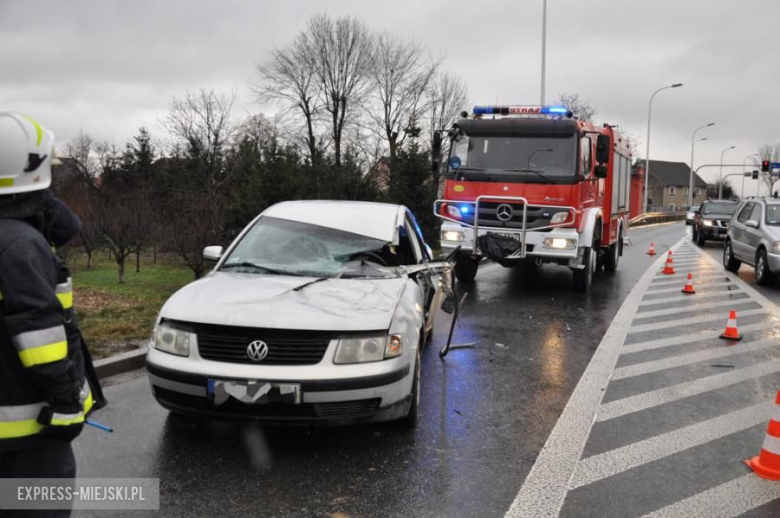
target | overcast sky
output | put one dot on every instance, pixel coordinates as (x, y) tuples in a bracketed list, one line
[(108, 67)]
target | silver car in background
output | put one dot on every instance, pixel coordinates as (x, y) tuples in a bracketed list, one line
[(691, 214), (754, 238)]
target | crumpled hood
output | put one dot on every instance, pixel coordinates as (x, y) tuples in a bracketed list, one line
[(269, 301)]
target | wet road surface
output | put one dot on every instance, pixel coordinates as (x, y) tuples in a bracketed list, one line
[(486, 413)]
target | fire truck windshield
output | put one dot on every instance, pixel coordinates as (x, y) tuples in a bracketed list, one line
[(521, 159)]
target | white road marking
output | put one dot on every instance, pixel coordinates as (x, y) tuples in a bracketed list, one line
[(677, 288), (665, 395), (633, 455), (698, 337), (727, 500), (678, 298), (544, 490), (693, 309), (707, 278), (641, 328), (706, 270), (723, 351)]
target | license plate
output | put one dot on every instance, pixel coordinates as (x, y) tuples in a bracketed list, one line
[(514, 236), (253, 392)]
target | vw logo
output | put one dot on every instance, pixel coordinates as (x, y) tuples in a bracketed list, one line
[(504, 212), (257, 350)]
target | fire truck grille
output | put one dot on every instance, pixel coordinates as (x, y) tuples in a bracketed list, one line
[(494, 214)]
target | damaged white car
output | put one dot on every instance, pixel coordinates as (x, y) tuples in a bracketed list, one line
[(317, 312)]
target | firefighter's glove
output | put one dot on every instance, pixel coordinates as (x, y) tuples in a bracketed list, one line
[(62, 421)]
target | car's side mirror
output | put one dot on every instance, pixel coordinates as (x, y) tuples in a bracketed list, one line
[(436, 151), (212, 253), (603, 150), (751, 223), (600, 171)]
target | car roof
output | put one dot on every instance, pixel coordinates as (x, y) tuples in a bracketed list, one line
[(377, 220)]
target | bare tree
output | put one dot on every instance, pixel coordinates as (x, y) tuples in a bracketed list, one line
[(581, 108), (340, 53), (81, 153), (289, 77), (399, 76), (448, 96), (197, 206)]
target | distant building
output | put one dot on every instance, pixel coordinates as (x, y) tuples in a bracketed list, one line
[(668, 189)]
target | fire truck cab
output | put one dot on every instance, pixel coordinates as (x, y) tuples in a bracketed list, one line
[(533, 185)]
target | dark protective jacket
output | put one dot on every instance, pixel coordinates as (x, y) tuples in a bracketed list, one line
[(41, 358)]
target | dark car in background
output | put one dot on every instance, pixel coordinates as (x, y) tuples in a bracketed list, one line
[(711, 221)]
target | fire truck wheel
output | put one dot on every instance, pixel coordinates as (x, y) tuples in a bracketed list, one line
[(612, 257), (466, 268), (583, 279)]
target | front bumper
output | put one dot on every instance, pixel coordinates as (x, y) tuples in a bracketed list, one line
[(365, 393), (534, 240), (773, 261), (714, 232)]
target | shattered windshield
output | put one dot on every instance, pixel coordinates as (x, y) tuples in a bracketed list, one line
[(499, 158), (282, 247)]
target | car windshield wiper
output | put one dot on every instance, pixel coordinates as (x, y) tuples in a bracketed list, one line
[(537, 173), (480, 172), (274, 271)]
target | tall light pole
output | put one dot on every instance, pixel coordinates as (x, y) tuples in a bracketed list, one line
[(690, 179), (647, 155), (720, 176), (544, 45), (744, 163)]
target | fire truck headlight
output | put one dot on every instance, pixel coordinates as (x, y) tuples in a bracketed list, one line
[(559, 217), (453, 211), (451, 235), (560, 243)]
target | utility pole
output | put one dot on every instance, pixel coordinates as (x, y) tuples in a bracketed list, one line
[(544, 46)]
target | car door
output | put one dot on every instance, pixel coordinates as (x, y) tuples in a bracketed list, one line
[(753, 235), (430, 281), (738, 245)]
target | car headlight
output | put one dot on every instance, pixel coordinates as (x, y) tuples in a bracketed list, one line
[(172, 340), (559, 217), (451, 235), (559, 243), (367, 349), (707, 222), (776, 246)]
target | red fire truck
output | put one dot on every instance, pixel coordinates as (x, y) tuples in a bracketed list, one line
[(533, 185)]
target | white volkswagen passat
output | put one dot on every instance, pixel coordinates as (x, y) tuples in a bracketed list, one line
[(317, 312)]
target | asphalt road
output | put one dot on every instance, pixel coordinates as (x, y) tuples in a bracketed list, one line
[(487, 412)]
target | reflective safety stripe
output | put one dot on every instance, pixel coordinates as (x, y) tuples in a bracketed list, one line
[(64, 293), (20, 421), (42, 346), (67, 419)]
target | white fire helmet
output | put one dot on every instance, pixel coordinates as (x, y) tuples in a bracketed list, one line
[(26, 154)]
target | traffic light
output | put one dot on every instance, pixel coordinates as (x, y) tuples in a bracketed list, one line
[(755, 174), (765, 166)]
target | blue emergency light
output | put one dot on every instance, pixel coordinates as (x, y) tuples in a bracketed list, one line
[(521, 110)]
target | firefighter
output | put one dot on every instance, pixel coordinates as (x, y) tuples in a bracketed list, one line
[(44, 396)]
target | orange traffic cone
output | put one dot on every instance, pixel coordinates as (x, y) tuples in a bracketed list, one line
[(669, 268), (731, 332), (689, 285), (652, 249), (767, 464)]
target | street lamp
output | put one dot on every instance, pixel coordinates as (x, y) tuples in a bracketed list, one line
[(647, 155), (720, 177), (744, 163), (690, 179)]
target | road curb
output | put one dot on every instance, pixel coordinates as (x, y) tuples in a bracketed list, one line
[(121, 363)]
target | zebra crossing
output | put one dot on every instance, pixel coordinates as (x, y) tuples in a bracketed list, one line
[(666, 412)]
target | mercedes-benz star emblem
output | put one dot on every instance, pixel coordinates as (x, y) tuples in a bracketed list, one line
[(504, 212), (257, 350)]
